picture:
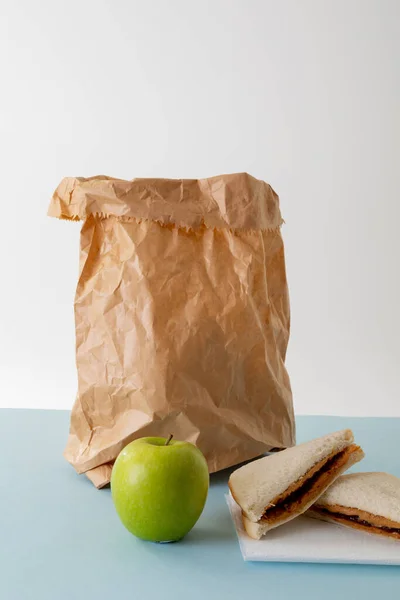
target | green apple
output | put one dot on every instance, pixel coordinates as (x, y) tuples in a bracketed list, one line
[(159, 487)]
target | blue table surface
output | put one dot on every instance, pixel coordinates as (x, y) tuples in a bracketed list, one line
[(60, 538)]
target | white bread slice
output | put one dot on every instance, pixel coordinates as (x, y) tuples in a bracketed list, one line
[(373, 498), (257, 530), (376, 493), (255, 485)]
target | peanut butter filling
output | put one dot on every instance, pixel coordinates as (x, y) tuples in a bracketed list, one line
[(298, 495), (359, 519)]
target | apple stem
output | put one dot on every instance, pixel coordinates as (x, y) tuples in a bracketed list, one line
[(169, 439)]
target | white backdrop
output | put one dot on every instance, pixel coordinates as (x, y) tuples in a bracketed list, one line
[(304, 94)]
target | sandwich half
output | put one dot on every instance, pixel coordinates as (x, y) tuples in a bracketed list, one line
[(368, 502), (277, 488)]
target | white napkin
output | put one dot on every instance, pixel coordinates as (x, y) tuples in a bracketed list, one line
[(308, 540)]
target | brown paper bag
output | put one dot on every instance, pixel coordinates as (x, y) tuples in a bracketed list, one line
[(182, 318)]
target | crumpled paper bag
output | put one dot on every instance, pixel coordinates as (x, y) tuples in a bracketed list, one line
[(182, 318)]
